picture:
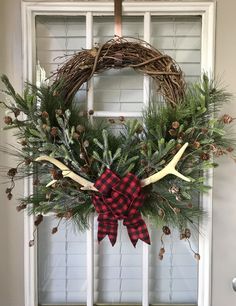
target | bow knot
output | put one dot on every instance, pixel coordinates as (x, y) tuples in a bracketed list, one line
[(120, 199)]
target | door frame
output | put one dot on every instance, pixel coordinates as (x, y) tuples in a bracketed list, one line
[(207, 10)]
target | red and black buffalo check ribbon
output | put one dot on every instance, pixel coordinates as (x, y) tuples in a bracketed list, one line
[(120, 199)]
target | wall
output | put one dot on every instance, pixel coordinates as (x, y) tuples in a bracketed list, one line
[(224, 214), (11, 223)]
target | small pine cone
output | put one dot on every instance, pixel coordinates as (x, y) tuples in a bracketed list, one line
[(23, 142), (31, 243), (190, 205), (91, 112), (229, 149), (21, 207), (82, 156), (10, 196), (196, 144), (54, 131), (45, 114), (166, 230), (175, 125), (16, 112), (80, 128), (38, 220), (112, 121), (8, 190), (8, 120), (122, 118), (75, 136), (172, 132), (54, 230), (197, 256), (86, 143), (12, 172), (205, 156), (162, 251), (45, 127), (182, 236), (187, 233), (227, 119), (56, 174)]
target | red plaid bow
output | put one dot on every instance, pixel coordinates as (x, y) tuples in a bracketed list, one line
[(120, 199)]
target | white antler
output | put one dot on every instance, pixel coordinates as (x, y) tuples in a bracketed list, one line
[(87, 185), (66, 172), (169, 169)]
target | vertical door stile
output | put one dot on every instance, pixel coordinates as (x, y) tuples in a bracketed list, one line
[(146, 97), (90, 231), (147, 37)]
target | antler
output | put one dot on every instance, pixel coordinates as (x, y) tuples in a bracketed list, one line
[(87, 185), (66, 172), (169, 169)]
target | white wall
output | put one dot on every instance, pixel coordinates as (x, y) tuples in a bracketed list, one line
[(224, 192)]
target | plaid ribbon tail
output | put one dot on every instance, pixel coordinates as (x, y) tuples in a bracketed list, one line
[(107, 228), (137, 230)]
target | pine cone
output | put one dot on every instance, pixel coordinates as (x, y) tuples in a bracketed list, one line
[(227, 119), (175, 125), (54, 230), (12, 172), (166, 230), (205, 156), (45, 114), (80, 128), (38, 219), (54, 131), (8, 120)]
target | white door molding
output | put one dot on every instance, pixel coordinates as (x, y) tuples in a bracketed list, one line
[(205, 9)]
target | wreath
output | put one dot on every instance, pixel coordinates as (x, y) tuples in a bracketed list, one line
[(154, 168)]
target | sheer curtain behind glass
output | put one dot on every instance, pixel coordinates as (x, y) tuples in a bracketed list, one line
[(118, 270)]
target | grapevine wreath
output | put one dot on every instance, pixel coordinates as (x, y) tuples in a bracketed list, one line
[(154, 167)]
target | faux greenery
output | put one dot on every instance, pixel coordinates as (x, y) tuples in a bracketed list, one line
[(44, 125)]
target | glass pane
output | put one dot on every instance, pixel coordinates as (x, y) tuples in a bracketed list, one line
[(58, 37), (118, 270), (61, 264), (118, 90), (175, 278)]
